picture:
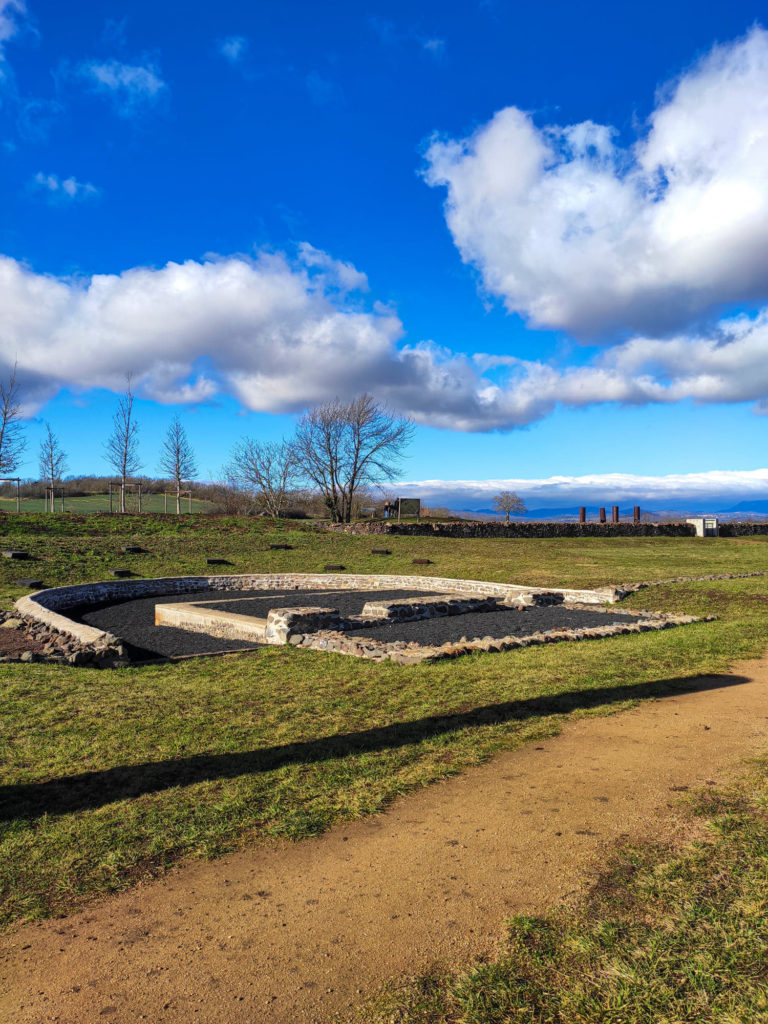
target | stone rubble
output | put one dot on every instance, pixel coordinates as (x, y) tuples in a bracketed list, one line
[(61, 648)]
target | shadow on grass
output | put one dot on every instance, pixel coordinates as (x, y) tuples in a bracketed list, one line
[(95, 789)]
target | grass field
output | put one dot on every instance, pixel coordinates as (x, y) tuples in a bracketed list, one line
[(109, 777), (100, 503)]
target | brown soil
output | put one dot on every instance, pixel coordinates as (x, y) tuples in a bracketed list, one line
[(16, 641), (298, 933)]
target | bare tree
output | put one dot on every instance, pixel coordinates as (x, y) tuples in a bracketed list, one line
[(267, 468), (53, 461), (177, 460), (12, 441), (122, 448), (508, 502), (341, 447)]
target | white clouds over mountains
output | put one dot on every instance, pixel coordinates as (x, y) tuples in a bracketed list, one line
[(576, 232), (717, 488)]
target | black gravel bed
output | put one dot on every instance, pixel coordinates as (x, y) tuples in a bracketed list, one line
[(133, 621), (348, 602), (476, 625)]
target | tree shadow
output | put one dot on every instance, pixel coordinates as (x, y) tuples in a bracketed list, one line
[(90, 790)]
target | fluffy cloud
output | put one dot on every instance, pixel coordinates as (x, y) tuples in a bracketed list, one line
[(66, 189), (281, 335), (132, 87), (689, 490), (575, 231), (233, 48), (276, 334)]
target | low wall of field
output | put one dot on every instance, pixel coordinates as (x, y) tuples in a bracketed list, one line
[(463, 529)]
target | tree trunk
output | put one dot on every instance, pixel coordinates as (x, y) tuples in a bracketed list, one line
[(122, 496), (178, 501)]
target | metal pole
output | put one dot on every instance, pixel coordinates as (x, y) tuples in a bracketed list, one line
[(18, 494)]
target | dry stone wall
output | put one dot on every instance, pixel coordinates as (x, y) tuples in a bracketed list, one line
[(466, 528)]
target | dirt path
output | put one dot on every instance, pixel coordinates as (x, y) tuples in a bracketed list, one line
[(296, 933)]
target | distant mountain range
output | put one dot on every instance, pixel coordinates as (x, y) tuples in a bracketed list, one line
[(751, 509)]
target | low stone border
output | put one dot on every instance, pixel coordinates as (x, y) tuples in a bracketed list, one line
[(47, 607), (308, 626), (412, 653), (632, 588)]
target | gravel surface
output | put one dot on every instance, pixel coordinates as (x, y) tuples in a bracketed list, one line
[(348, 602), (477, 625), (134, 621)]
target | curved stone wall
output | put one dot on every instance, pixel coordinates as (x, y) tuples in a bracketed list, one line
[(48, 606)]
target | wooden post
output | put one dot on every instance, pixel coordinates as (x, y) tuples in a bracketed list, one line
[(165, 502), (614, 513), (582, 515), (636, 514), (18, 494), (189, 497), (139, 499), (601, 513)]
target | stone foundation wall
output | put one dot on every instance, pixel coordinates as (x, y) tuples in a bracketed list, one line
[(412, 653), (47, 607)]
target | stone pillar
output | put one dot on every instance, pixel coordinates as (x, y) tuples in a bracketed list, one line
[(582, 515), (636, 514), (601, 512), (614, 513)]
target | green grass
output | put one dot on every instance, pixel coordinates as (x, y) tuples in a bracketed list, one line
[(113, 776), (666, 935), (100, 503)]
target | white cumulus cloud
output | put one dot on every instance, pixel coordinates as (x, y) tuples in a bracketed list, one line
[(575, 231), (283, 334)]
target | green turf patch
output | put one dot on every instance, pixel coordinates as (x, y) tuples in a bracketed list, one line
[(108, 777)]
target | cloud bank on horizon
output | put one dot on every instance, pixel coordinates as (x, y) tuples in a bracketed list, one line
[(670, 491), (672, 229)]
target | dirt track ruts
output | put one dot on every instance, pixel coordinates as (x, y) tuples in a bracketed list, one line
[(297, 933)]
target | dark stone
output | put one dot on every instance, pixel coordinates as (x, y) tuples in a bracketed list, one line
[(422, 561), (333, 567), (120, 573), (281, 547), (15, 554), (380, 551), (30, 583), (132, 549), (217, 561)]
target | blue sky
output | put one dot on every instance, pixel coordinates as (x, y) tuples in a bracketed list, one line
[(541, 230)]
